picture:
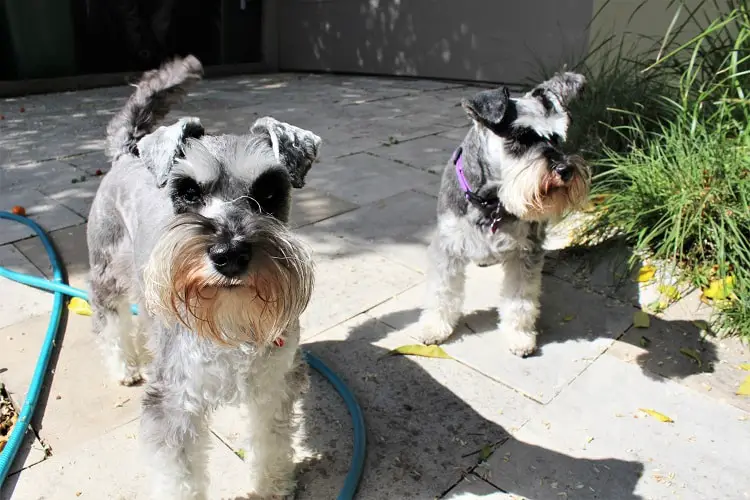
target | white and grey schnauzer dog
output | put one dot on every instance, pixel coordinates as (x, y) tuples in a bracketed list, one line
[(504, 184), (192, 228)]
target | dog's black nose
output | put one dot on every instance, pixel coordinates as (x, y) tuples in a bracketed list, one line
[(565, 171), (231, 260)]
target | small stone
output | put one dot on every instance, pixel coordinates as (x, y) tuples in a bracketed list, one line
[(58, 397)]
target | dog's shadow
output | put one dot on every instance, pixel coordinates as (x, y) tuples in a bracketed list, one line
[(422, 438)]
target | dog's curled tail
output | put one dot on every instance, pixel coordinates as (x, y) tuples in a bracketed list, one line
[(156, 92)]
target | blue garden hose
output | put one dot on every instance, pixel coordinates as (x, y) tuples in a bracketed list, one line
[(60, 289)]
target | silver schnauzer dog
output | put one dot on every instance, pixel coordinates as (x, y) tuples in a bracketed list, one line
[(192, 228), (504, 184)]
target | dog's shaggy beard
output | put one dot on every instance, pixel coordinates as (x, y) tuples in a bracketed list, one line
[(181, 283), (533, 191)]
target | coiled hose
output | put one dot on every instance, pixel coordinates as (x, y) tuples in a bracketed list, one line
[(60, 289)]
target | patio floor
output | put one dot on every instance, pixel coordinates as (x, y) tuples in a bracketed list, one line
[(565, 423)]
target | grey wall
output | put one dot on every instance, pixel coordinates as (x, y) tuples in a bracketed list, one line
[(485, 40)]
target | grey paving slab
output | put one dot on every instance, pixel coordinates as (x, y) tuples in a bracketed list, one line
[(348, 280), (45, 211), (426, 425), (598, 416), (399, 227), (35, 175), (475, 487), (90, 162), (667, 349), (20, 302), (70, 244), (79, 402), (456, 134), (603, 269), (363, 178), (75, 194), (429, 153), (311, 206), (114, 466), (573, 333)]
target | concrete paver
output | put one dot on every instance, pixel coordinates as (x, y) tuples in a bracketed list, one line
[(45, 211), (363, 179), (19, 302), (616, 451), (398, 227), (429, 153), (561, 424)]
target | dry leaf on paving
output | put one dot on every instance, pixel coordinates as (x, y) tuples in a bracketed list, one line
[(646, 274), (744, 389), (745, 366), (641, 319), (426, 351), (692, 354), (655, 414)]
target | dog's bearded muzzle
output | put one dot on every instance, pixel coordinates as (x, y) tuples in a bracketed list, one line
[(257, 305), (565, 186)]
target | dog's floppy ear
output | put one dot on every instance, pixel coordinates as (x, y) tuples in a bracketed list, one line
[(163, 146), (563, 86), (488, 106), (295, 148)]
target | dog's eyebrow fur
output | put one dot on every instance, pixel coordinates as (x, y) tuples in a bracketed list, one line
[(198, 163), (251, 157), (533, 114)]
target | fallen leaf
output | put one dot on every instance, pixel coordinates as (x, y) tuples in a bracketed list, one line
[(646, 274), (641, 319), (240, 453), (745, 366), (426, 351), (644, 341), (670, 292), (720, 289), (655, 414), (744, 389), (569, 317), (79, 306), (485, 453), (589, 439), (693, 354)]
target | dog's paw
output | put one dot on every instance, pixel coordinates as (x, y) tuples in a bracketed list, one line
[(433, 329), (522, 343), (132, 376)]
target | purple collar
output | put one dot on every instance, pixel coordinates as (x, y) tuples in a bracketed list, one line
[(458, 160), (494, 212)]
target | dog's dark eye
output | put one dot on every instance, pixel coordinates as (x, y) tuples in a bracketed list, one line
[(189, 191)]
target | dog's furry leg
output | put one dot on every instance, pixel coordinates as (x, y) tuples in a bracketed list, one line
[(175, 435), (518, 307), (444, 295), (154, 95), (112, 319), (269, 401)]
